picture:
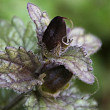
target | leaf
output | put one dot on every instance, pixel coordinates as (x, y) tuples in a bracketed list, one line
[(40, 19), (19, 25), (16, 34), (88, 41), (29, 38), (75, 60), (17, 67), (4, 29), (70, 99)]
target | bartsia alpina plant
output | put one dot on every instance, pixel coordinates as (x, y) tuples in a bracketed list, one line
[(63, 55)]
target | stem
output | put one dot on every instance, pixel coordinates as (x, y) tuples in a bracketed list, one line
[(14, 102)]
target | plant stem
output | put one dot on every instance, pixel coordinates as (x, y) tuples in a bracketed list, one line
[(14, 102)]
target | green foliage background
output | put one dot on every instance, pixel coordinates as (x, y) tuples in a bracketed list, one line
[(93, 15)]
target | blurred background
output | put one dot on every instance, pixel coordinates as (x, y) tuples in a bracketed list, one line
[(92, 15)]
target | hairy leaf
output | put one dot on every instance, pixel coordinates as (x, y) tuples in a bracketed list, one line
[(29, 38), (19, 26), (7, 35), (74, 59), (16, 34), (39, 18), (70, 99), (17, 67), (88, 41)]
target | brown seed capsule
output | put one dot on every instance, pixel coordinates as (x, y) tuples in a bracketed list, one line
[(54, 33), (55, 79)]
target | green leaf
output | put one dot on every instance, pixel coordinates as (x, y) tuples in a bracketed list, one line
[(88, 41), (70, 99), (8, 35), (19, 25), (16, 34), (17, 67), (29, 37), (75, 60)]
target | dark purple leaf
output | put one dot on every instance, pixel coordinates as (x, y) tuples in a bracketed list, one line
[(17, 67), (75, 60)]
